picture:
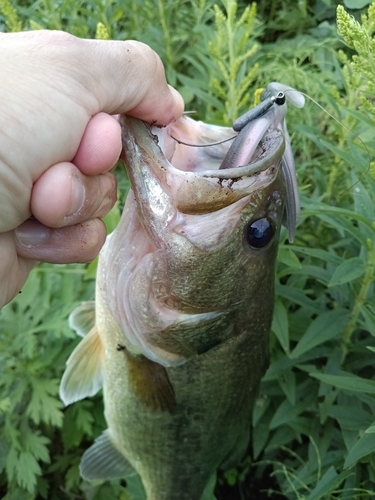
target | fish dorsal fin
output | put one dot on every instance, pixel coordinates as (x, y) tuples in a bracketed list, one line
[(102, 461), (82, 319), (82, 377)]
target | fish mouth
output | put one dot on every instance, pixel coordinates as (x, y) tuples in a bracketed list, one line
[(191, 177), (262, 149)]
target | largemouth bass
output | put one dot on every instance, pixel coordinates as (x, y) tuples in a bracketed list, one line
[(184, 301)]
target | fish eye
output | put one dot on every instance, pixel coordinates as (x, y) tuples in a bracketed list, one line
[(259, 233)]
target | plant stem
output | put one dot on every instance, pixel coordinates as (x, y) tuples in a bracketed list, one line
[(359, 300), (167, 40)]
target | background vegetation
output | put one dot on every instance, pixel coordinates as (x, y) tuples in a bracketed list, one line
[(314, 420)]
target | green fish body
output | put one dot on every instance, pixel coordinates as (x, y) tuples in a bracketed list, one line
[(184, 303)]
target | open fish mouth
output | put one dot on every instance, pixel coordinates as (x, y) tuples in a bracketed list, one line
[(192, 176), (258, 153), (211, 176)]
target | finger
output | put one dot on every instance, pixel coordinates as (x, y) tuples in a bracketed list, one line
[(79, 243), (13, 270), (64, 196), (100, 146)]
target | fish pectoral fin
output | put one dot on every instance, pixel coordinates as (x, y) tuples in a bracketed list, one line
[(150, 382), (82, 377), (82, 319), (102, 461)]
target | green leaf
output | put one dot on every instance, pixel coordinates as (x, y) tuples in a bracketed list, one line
[(287, 381), (208, 493), (364, 446), (321, 210), (328, 483), (363, 203), (354, 420), (323, 255), (27, 471), (342, 153), (11, 463), (325, 327), (205, 96), (356, 4), (73, 477), (91, 269), (288, 257), (3, 452), (260, 407), (44, 405), (286, 413), (112, 218), (369, 318), (259, 439), (353, 383), (17, 493), (134, 488), (37, 445), (315, 272), (4, 405), (280, 325), (349, 270), (85, 418), (297, 297), (187, 94)]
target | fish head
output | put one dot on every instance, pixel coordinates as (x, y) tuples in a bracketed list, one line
[(197, 245), (197, 214)]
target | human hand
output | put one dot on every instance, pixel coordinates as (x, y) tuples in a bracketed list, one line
[(58, 142)]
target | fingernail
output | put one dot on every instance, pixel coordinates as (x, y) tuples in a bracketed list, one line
[(78, 196), (31, 233)]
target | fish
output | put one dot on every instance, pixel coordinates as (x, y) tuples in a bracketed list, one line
[(178, 334)]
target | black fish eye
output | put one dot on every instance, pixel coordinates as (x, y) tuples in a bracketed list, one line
[(259, 233)]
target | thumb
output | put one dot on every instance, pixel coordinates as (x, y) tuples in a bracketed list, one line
[(126, 77)]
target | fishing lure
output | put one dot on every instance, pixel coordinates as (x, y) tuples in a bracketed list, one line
[(251, 127), (258, 111)]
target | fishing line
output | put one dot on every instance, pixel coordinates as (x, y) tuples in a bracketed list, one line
[(261, 109), (345, 127), (241, 122), (202, 145)]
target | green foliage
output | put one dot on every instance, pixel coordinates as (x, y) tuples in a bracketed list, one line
[(11, 18), (359, 37), (314, 420), (233, 54)]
